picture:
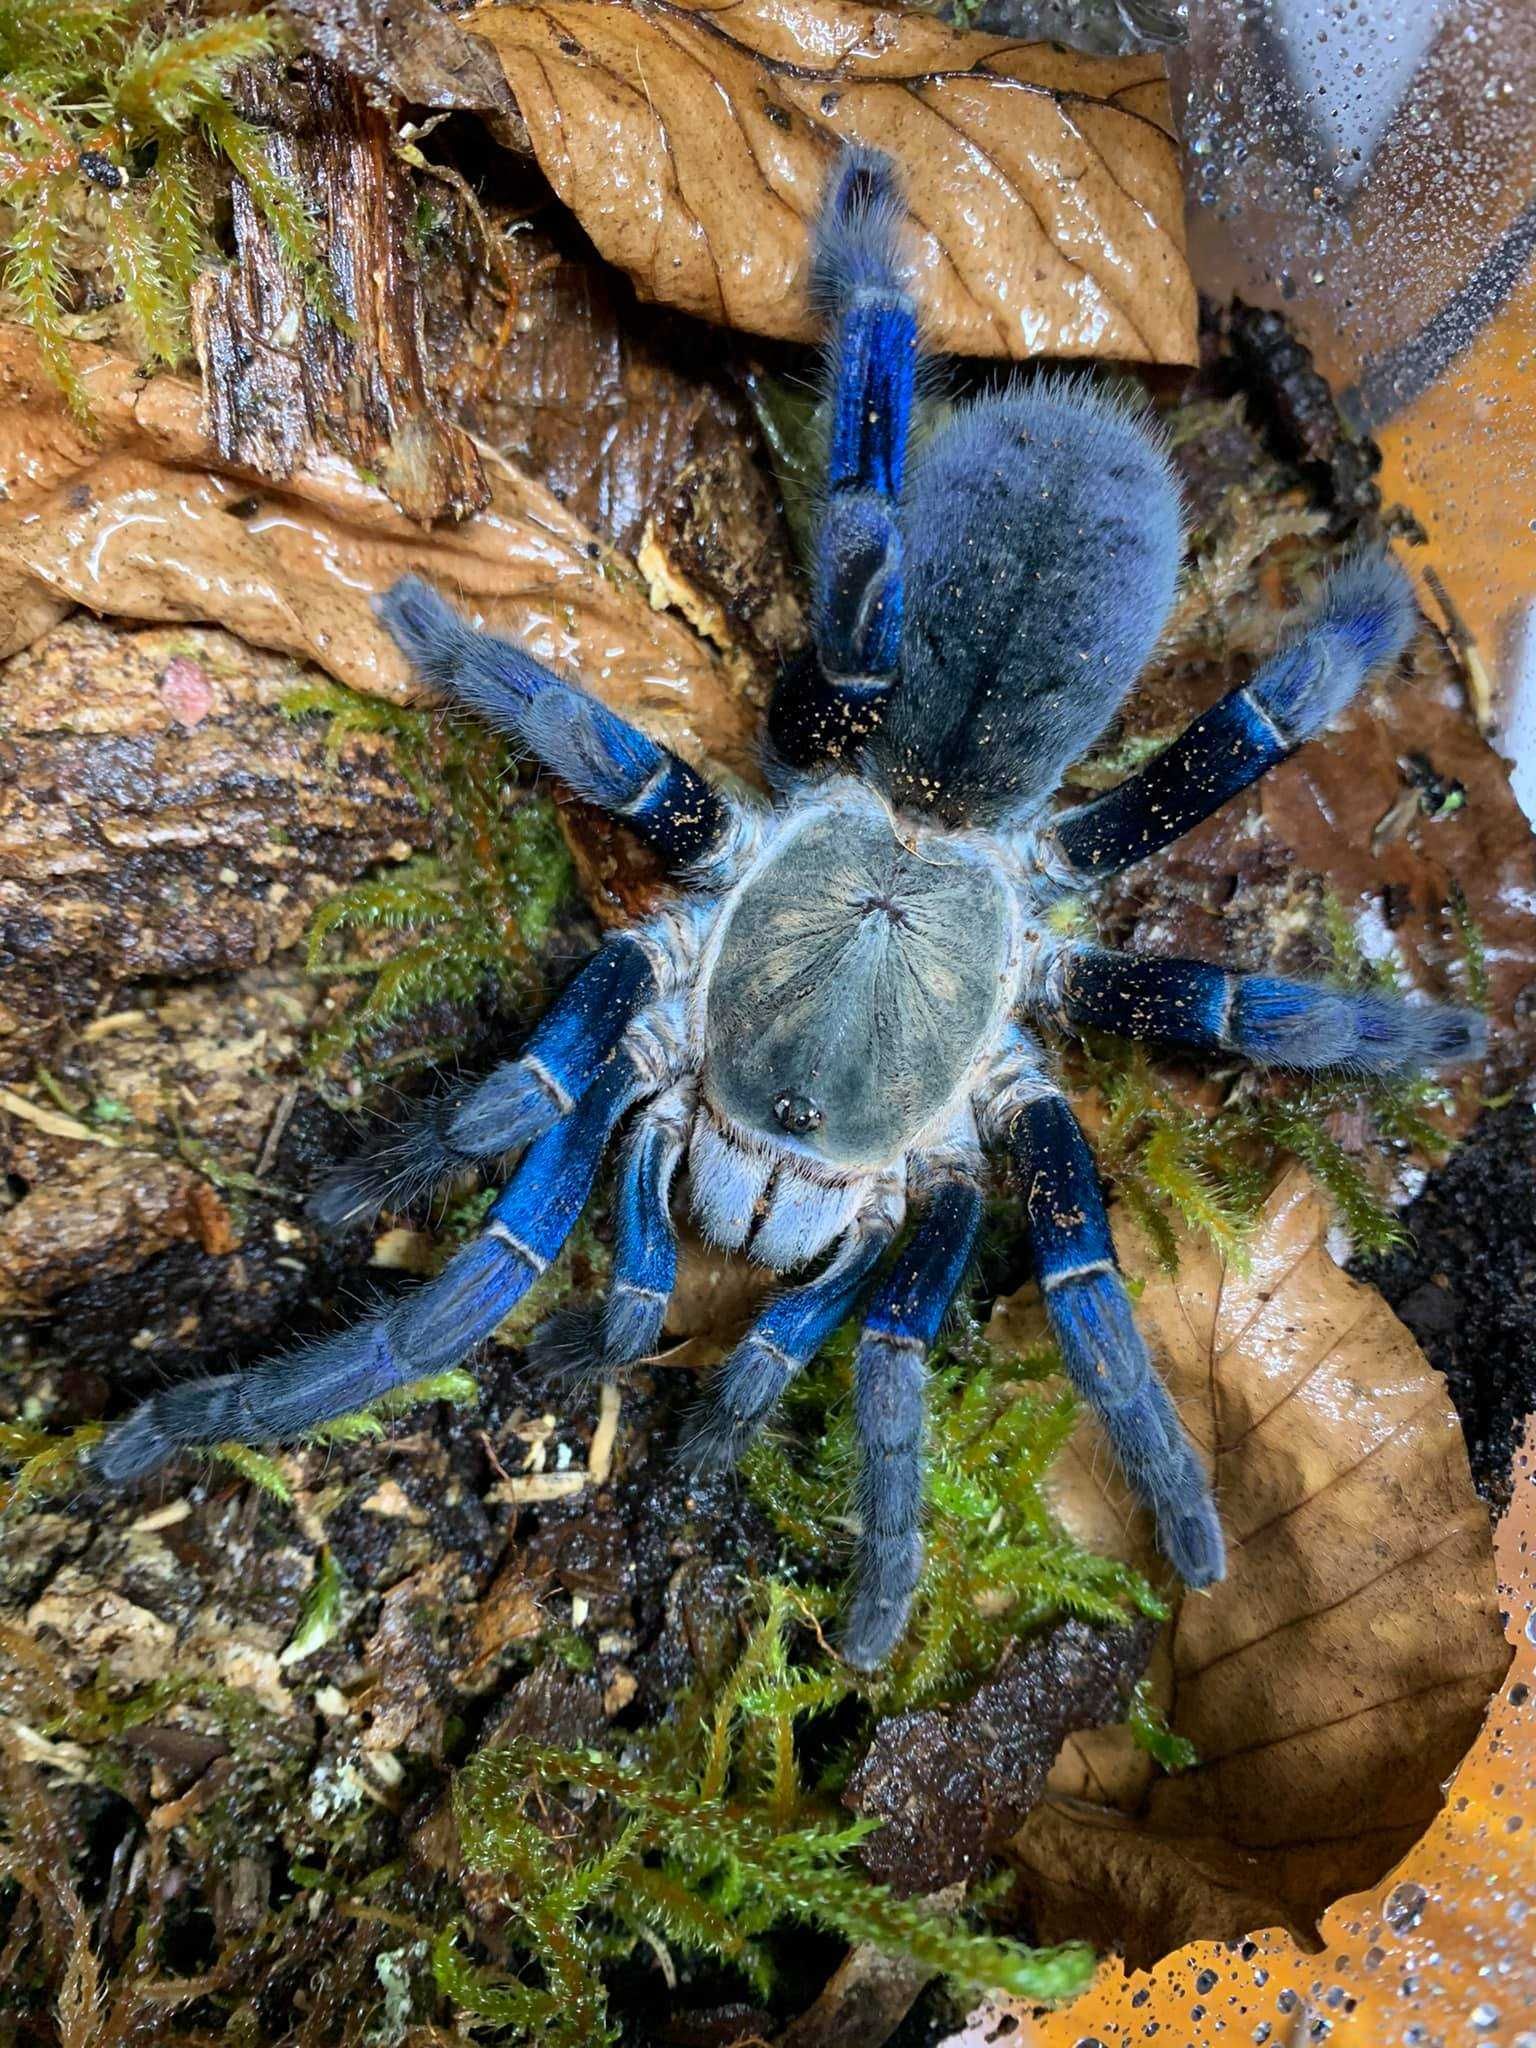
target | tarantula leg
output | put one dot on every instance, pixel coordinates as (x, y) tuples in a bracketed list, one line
[(645, 1241), (1105, 1357), (1362, 622), (889, 1378), (784, 1339), (429, 1330), (511, 1106), (679, 815), (833, 698), (1283, 1023)]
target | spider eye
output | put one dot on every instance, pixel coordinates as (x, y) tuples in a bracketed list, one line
[(797, 1114)]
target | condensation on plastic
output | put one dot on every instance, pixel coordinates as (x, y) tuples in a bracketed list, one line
[(1369, 166)]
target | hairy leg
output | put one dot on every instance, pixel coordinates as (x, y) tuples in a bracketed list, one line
[(683, 818), (425, 1332), (1361, 624), (787, 1335), (1262, 1016), (508, 1109), (832, 698), (645, 1239), (889, 1380), (1103, 1351)]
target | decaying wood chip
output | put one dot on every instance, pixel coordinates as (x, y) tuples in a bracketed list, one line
[(280, 377), (135, 847), (145, 521), (412, 51), (953, 1783)]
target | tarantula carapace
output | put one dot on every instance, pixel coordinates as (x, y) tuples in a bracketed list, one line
[(828, 1031)]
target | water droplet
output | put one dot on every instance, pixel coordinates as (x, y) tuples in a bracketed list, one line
[(1485, 2015), (1206, 1981), (1405, 1907)]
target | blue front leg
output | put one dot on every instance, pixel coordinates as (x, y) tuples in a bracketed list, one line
[(1264, 1017), (508, 1109), (782, 1341), (604, 758), (825, 704), (425, 1332), (645, 1239), (1095, 1331), (889, 1378), (1364, 619)]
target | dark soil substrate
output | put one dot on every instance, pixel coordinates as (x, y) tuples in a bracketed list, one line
[(1465, 1284)]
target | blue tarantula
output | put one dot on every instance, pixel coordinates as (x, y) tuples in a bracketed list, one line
[(828, 1023)]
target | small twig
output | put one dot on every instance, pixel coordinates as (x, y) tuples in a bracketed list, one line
[(287, 1103), (53, 1123)]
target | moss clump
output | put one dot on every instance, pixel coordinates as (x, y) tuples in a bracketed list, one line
[(702, 1838), (1211, 1170), (114, 128), (998, 1563), (471, 914), (45, 1462)]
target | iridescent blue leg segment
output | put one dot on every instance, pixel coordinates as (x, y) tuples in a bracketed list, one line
[(610, 762), (889, 1378), (511, 1106), (1263, 1017), (1363, 621), (782, 1341), (645, 1238), (1101, 1348), (427, 1331), (826, 703)]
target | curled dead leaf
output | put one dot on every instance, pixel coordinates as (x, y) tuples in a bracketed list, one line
[(693, 146), (146, 522), (1435, 1950), (1334, 1680)]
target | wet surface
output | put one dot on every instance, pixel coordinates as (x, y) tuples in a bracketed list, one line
[(1051, 216), (952, 1784)]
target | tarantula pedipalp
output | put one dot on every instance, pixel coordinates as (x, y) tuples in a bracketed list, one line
[(827, 1024)]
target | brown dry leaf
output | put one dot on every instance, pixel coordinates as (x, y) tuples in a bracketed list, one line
[(147, 523), (1436, 1950), (1334, 1680), (693, 145)]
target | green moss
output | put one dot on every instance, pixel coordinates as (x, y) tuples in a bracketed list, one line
[(471, 914), (702, 1838), (45, 1462), (103, 102), (1149, 1725), (325, 1603), (998, 1563), (1211, 1171)]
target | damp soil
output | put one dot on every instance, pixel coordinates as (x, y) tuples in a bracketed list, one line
[(1465, 1284)]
